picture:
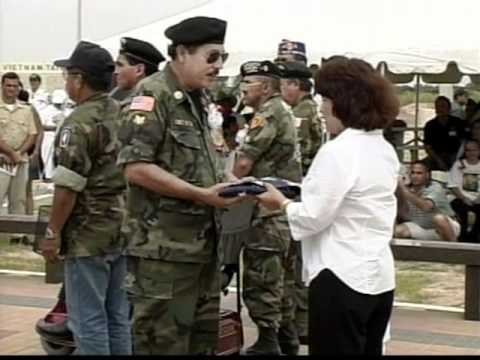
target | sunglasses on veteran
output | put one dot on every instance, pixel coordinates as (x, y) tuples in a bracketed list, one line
[(213, 56)]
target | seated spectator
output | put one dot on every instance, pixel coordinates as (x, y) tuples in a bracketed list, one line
[(460, 98), (442, 136), (473, 134), (424, 207), (464, 178)]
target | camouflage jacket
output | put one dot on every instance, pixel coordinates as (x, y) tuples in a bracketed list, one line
[(164, 125), (309, 129), (271, 142), (86, 148)]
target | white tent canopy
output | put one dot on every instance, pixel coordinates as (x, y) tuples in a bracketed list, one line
[(411, 35)]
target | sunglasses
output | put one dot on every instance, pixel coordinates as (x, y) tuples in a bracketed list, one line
[(213, 57)]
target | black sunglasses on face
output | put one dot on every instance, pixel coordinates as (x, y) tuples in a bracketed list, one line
[(213, 57)]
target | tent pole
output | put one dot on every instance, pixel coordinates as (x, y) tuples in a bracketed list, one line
[(79, 20), (417, 104)]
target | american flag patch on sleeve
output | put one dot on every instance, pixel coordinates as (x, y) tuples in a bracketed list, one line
[(142, 103)]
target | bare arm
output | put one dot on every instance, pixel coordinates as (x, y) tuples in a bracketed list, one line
[(418, 201), (27, 144), (402, 204), (12, 154), (63, 203)]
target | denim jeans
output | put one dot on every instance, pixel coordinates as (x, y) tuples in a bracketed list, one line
[(97, 305)]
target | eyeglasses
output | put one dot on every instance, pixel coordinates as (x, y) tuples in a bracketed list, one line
[(213, 57)]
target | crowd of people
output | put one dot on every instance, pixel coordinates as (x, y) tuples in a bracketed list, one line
[(138, 171), (438, 209)]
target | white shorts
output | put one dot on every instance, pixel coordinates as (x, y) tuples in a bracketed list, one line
[(420, 233)]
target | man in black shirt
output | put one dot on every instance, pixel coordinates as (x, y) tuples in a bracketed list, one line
[(442, 136)]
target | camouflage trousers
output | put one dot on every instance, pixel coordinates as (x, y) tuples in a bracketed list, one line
[(301, 294), (268, 282), (176, 306)]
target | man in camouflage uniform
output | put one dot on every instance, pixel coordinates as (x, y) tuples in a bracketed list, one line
[(172, 167), (136, 60), (296, 91), (88, 208), (270, 149)]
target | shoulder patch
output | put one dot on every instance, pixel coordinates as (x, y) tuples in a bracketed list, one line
[(142, 103), (65, 136), (257, 121)]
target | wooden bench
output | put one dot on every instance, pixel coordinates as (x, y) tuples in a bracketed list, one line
[(403, 249), (447, 253)]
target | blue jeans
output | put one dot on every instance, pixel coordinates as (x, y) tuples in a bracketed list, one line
[(97, 305)]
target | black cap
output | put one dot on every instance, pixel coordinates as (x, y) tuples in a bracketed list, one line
[(197, 30), (141, 50), (90, 58), (294, 70), (263, 68)]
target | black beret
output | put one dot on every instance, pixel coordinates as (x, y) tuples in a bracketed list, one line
[(264, 68), (90, 58), (197, 30), (294, 70), (287, 47), (141, 50)]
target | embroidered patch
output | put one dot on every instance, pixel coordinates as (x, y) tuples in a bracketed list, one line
[(257, 121), (181, 122), (142, 103), (65, 137)]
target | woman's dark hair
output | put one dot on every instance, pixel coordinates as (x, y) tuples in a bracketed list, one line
[(361, 97)]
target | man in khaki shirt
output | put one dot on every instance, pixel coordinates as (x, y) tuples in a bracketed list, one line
[(17, 136)]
